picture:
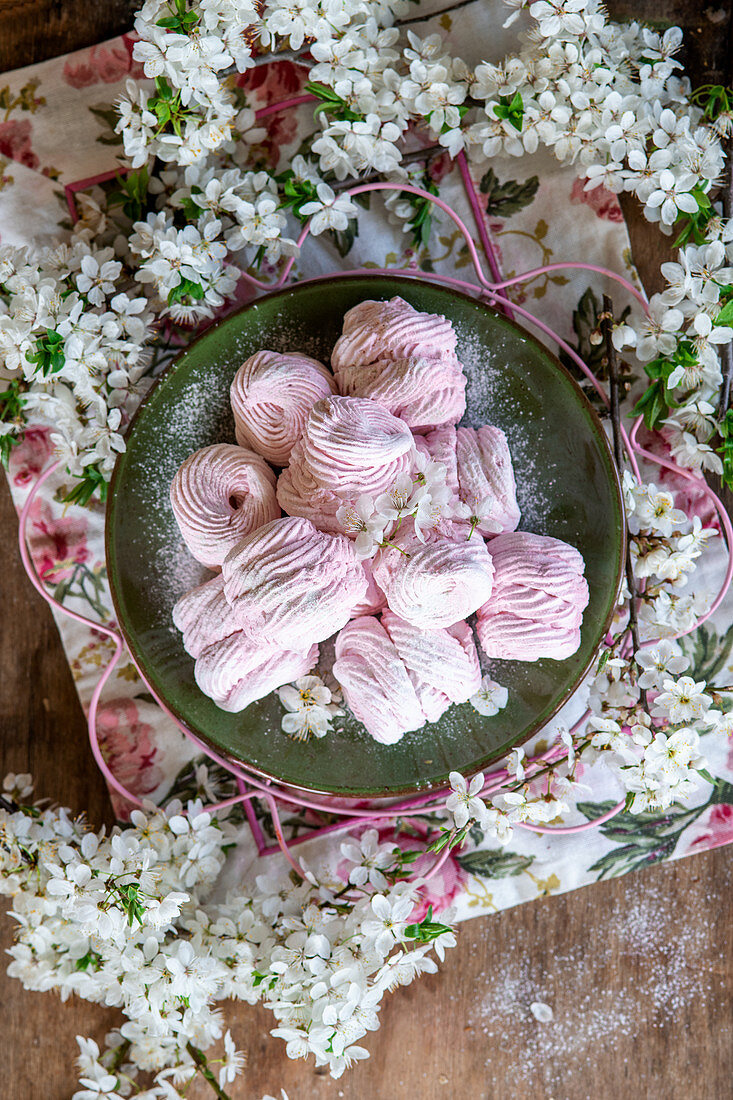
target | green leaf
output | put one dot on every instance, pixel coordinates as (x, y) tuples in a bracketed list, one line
[(725, 317), (593, 810), (722, 792), (12, 404), (494, 863), (427, 929), (707, 651), (653, 405), (344, 238), (90, 482), (511, 112), (331, 103), (186, 289), (505, 199)]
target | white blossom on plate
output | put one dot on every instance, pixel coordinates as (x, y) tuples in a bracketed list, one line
[(490, 697)]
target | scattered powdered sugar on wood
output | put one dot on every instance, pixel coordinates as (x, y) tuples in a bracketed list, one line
[(663, 954)]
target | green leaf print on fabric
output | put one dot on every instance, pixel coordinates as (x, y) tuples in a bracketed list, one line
[(505, 199), (495, 863), (708, 652)]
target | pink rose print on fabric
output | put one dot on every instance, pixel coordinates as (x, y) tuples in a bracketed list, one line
[(128, 750), (713, 830), (441, 889), (29, 457), (271, 83), (604, 203), (15, 142), (281, 129), (104, 64), (56, 543)]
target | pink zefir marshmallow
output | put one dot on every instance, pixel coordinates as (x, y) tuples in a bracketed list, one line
[(204, 616), (239, 670), (290, 585), (542, 562), (486, 478), (375, 682), (350, 447), (508, 637), (374, 601), (424, 391), (271, 396), (445, 660), (220, 494), (437, 583), (536, 607), (393, 329)]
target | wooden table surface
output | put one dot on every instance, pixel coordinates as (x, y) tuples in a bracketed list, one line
[(638, 971)]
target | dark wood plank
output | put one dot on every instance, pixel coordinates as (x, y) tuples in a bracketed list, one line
[(42, 726), (34, 30)]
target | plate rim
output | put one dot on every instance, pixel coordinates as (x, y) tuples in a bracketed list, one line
[(486, 761)]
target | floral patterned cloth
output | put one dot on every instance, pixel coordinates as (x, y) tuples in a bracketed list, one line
[(55, 136)]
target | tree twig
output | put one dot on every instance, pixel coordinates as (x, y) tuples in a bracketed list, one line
[(425, 154), (433, 14), (727, 353), (295, 55), (275, 55), (614, 378), (203, 1067)]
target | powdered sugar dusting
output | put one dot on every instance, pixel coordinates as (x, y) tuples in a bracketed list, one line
[(664, 957)]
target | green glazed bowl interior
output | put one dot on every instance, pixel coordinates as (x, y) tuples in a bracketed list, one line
[(566, 483)]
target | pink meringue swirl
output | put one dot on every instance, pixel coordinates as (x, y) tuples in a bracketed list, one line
[(390, 330), (350, 446), (485, 474), (238, 670), (423, 391), (204, 616), (374, 600), (536, 607), (271, 396), (375, 682), (290, 585), (218, 495), (439, 583), (445, 660)]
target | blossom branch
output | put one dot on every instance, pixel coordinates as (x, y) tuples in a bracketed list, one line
[(727, 351), (202, 1066), (427, 154), (614, 394), (448, 10)]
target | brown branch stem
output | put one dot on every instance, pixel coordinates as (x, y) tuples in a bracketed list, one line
[(433, 14), (203, 1067), (425, 154), (727, 352), (615, 399)]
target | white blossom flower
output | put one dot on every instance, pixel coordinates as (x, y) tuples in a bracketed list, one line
[(658, 661), (387, 925), (490, 698), (464, 803), (328, 211), (370, 859), (400, 500), (682, 700), (361, 519)]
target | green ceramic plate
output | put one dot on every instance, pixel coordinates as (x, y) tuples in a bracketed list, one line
[(567, 487)]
